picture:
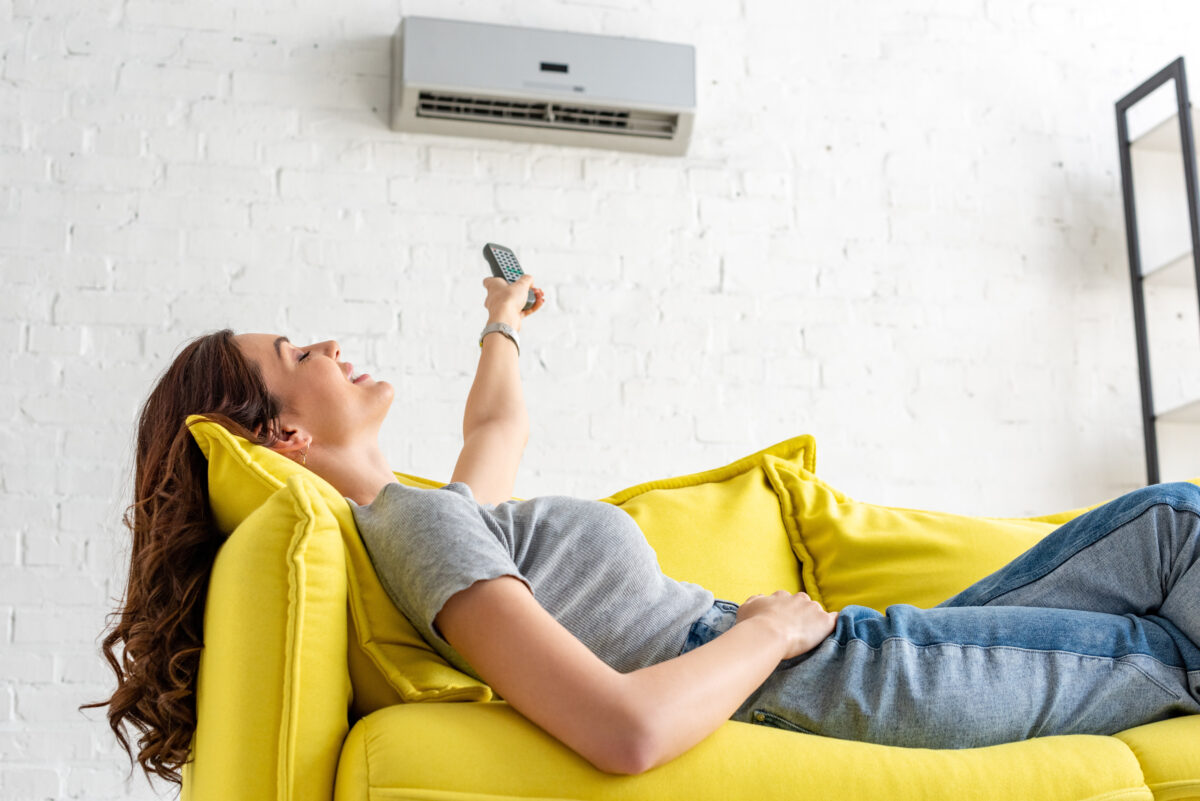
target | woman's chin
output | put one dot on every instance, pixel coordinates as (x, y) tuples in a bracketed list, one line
[(383, 393)]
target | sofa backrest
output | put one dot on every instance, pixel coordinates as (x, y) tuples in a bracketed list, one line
[(389, 663)]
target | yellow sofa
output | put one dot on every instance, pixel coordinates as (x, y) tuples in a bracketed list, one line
[(311, 685)]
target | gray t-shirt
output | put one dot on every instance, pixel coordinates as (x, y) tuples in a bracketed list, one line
[(586, 562)]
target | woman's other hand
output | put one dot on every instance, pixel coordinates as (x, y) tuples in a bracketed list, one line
[(505, 302), (801, 621)]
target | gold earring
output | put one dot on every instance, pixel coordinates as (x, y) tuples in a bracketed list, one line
[(304, 456)]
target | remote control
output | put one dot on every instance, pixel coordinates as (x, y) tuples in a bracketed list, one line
[(504, 265)]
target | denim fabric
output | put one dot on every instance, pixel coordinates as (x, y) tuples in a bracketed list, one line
[(1094, 630), (719, 618)]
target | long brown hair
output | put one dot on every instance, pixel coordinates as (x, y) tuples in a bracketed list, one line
[(154, 639)]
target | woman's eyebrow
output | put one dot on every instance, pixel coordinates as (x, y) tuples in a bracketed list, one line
[(278, 352)]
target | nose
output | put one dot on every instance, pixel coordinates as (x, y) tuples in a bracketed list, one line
[(330, 348)]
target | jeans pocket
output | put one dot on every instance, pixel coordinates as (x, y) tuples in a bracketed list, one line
[(763, 717)]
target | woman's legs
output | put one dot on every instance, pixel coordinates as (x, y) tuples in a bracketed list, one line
[(1138, 554), (973, 676), (1092, 631)]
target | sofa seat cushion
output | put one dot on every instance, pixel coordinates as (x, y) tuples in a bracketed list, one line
[(488, 751), (1169, 752)]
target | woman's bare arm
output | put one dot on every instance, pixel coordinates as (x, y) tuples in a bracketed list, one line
[(631, 722), (495, 422)]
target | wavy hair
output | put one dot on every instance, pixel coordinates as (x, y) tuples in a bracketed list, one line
[(154, 638)]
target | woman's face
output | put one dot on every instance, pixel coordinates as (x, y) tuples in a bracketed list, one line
[(321, 396)]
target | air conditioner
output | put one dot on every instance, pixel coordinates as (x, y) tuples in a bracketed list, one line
[(535, 85)]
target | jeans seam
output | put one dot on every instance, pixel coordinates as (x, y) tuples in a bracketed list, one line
[(1169, 569), (964, 646), (1153, 680)]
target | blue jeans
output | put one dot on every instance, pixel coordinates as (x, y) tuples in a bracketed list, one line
[(1092, 631)]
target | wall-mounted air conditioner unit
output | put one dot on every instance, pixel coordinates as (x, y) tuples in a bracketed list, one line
[(534, 85)]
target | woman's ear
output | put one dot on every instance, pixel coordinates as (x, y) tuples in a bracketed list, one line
[(291, 441)]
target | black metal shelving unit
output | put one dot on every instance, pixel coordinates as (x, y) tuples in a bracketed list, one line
[(1172, 72)]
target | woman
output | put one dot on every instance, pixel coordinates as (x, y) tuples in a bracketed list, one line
[(558, 604)]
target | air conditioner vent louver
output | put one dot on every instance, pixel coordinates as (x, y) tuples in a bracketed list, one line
[(546, 115)]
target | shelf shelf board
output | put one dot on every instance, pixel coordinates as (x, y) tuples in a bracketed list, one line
[(1184, 413), (1179, 271), (1164, 137)]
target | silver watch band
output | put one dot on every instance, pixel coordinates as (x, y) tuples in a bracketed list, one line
[(501, 328)]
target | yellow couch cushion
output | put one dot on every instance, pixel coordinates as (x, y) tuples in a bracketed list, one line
[(273, 688), (1169, 752), (461, 752), (389, 662), (862, 553), (722, 528)]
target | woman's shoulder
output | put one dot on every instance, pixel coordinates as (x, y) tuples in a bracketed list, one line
[(395, 498), (395, 490)]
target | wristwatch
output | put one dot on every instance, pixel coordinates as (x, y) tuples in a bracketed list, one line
[(501, 328)]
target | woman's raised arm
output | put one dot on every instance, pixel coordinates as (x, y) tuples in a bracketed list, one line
[(622, 722), (495, 422)]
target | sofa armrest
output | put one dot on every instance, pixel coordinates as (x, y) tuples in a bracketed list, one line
[(273, 690)]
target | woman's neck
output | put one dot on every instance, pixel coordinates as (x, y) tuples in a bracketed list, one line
[(359, 472)]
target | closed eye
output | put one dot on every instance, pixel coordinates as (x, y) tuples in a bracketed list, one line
[(303, 356)]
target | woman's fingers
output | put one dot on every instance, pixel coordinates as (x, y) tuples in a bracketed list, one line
[(803, 621), (537, 304), (506, 298)]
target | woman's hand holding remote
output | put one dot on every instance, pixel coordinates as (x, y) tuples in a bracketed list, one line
[(505, 302), (802, 623)]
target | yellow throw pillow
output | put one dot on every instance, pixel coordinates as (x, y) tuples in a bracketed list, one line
[(722, 528), (277, 602), (389, 662), (861, 553)]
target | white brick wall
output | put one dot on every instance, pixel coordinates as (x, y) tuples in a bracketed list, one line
[(898, 229)]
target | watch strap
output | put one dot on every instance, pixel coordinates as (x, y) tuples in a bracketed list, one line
[(501, 328)]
